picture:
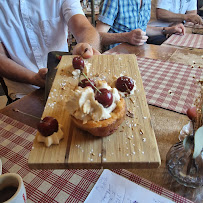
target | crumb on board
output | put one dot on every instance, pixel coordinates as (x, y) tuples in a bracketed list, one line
[(141, 132)]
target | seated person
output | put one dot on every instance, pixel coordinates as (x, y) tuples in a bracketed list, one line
[(126, 21), (30, 30), (176, 11)]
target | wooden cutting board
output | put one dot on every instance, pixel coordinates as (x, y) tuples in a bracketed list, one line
[(133, 145)]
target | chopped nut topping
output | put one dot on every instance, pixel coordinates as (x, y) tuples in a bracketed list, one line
[(132, 100), (129, 114)]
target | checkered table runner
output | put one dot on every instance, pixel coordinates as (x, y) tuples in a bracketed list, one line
[(186, 40), (170, 85), (54, 185)]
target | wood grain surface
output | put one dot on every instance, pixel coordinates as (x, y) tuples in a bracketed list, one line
[(133, 145)]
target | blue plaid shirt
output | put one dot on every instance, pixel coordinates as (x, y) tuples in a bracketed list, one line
[(125, 15)]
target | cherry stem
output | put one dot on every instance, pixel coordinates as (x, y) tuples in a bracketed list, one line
[(91, 82), (86, 49), (193, 126), (128, 91), (17, 110)]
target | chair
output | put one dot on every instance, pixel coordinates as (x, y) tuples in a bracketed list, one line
[(5, 89), (92, 13)]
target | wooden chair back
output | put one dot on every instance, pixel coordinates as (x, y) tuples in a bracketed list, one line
[(5, 89)]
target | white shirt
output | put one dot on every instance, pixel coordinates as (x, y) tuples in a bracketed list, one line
[(177, 6), (30, 29)]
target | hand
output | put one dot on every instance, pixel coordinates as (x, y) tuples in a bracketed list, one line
[(176, 29), (85, 50), (196, 19), (136, 37), (39, 78)]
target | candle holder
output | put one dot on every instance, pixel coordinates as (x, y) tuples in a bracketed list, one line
[(184, 160), (183, 168)]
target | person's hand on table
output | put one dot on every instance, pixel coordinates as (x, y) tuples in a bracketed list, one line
[(176, 29), (39, 78), (136, 37), (85, 50), (194, 18)]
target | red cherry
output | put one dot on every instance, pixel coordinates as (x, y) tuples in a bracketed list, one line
[(78, 63), (192, 113), (104, 97), (84, 83), (124, 84), (58, 57), (48, 126)]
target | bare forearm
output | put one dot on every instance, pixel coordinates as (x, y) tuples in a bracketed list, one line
[(153, 31), (13, 71), (168, 16), (83, 31), (178, 29), (90, 36), (135, 37), (113, 38), (190, 16), (110, 38)]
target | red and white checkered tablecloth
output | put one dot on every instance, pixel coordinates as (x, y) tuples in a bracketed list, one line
[(186, 40), (170, 85), (54, 185)]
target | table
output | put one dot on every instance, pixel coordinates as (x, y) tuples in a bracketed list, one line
[(166, 124), (188, 30)]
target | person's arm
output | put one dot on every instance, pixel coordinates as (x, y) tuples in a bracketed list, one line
[(135, 37), (191, 16), (193, 12), (176, 29), (168, 16), (86, 36), (13, 71)]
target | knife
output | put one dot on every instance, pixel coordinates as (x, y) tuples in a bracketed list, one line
[(52, 62)]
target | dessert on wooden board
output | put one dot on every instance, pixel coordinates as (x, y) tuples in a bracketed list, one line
[(50, 132), (132, 145), (99, 113), (94, 105)]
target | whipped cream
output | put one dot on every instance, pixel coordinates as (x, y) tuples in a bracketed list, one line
[(76, 73), (52, 139), (83, 105)]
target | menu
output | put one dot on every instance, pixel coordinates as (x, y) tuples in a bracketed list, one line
[(113, 188)]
